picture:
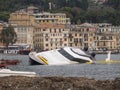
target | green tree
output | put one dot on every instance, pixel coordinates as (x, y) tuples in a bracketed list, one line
[(4, 16), (114, 3), (8, 36)]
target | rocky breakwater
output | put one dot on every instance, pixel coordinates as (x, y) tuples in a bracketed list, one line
[(57, 83)]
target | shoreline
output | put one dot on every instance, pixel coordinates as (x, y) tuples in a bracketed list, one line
[(57, 83)]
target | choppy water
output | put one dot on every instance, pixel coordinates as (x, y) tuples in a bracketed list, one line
[(97, 71)]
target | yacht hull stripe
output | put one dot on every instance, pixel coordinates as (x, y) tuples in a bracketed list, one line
[(70, 57), (43, 59)]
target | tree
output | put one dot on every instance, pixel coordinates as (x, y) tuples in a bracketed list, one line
[(114, 3), (4, 16), (8, 36)]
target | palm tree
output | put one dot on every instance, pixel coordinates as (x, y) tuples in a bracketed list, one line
[(8, 36)]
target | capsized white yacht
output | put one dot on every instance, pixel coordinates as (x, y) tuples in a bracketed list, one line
[(66, 55)]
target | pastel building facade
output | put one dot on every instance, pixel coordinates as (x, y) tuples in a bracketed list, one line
[(106, 41), (50, 36), (107, 37), (82, 36), (28, 23), (23, 24), (53, 18)]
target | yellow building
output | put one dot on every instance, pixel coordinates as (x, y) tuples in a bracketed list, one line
[(25, 21), (23, 24), (107, 37), (106, 41), (50, 36), (82, 36), (116, 31), (53, 18)]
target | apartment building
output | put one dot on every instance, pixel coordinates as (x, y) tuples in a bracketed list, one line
[(116, 30), (23, 24), (46, 31), (25, 21), (53, 18), (50, 36), (106, 41), (82, 36)]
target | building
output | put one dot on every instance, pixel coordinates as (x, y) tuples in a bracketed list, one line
[(23, 24), (107, 36), (53, 18), (116, 30), (50, 36), (106, 41), (82, 36), (25, 21)]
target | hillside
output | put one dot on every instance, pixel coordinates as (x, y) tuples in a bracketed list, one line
[(78, 10)]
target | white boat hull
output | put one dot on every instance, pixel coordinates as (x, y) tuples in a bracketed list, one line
[(67, 55)]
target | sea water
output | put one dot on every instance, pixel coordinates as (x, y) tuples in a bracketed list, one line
[(97, 71)]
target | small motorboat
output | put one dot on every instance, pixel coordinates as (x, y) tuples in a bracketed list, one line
[(9, 62), (66, 55), (4, 63), (8, 72)]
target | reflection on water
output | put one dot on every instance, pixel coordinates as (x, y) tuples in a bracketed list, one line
[(98, 71)]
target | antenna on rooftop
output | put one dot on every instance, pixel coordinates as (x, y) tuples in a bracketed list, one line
[(50, 5)]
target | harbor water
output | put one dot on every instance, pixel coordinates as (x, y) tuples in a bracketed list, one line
[(97, 71)]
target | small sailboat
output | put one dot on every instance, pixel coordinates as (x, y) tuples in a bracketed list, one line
[(108, 59)]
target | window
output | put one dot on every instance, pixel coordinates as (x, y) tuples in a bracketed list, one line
[(86, 39), (51, 44), (46, 39), (85, 44), (46, 44), (46, 35), (60, 30), (75, 34), (55, 30), (80, 34), (75, 39), (110, 37), (75, 44), (71, 44), (87, 29), (70, 39), (65, 35), (104, 44), (65, 44), (81, 40), (65, 39)]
